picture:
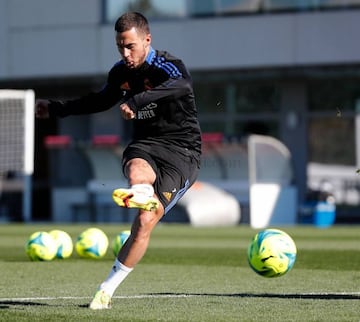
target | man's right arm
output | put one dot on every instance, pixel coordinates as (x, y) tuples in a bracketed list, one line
[(88, 104)]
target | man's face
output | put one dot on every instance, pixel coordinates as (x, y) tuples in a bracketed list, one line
[(133, 47)]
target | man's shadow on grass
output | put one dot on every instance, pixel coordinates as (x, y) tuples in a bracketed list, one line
[(4, 305), (311, 296), (9, 304)]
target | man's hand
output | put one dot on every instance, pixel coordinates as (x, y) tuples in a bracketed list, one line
[(126, 112), (42, 109)]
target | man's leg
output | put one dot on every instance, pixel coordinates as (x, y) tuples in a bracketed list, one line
[(136, 245), (138, 172), (129, 255)]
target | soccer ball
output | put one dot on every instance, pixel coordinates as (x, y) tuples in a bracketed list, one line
[(119, 241), (63, 242), (92, 243), (41, 246), (271, 253)]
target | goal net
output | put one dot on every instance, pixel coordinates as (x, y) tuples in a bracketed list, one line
[(17, 146)]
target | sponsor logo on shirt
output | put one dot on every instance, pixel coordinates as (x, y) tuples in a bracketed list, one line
[(147, 112)]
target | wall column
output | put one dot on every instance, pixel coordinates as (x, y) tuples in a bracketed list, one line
[(293, 130)]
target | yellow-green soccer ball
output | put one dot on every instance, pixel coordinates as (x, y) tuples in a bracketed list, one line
[(271, 253), (41, 246), (64, 243), (92, 243), (119, 241)]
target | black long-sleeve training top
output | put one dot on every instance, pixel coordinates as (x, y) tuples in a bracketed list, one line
[(159, 92)]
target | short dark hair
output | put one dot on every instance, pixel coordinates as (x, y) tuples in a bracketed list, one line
[(132, 19)]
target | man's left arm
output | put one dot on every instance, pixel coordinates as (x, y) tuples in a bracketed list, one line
[(172, 88)]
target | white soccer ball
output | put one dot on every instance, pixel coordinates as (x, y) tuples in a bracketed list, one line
[(41, 246), (119, 241), (92, 243), (64, 243), (272, 253)]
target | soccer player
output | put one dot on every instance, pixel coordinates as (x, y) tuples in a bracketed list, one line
[(154, 91)]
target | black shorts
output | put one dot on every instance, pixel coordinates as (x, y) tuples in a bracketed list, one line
[(176, 168)]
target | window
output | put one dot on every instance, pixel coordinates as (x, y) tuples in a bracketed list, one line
[(219, 7), (332, 141), (332, 107), (165, 9), (210, 97), (150, 8), (334, 95), (237, 108), (256, 97)]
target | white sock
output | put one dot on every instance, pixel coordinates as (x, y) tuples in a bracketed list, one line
[(145, 188), (117, 274)]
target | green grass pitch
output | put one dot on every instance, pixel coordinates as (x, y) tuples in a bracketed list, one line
[(188, 274)]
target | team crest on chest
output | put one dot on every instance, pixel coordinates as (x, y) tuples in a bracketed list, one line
[(125, 86)]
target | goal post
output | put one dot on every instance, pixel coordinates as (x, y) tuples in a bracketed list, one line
[(17, 145), (273, 195)]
